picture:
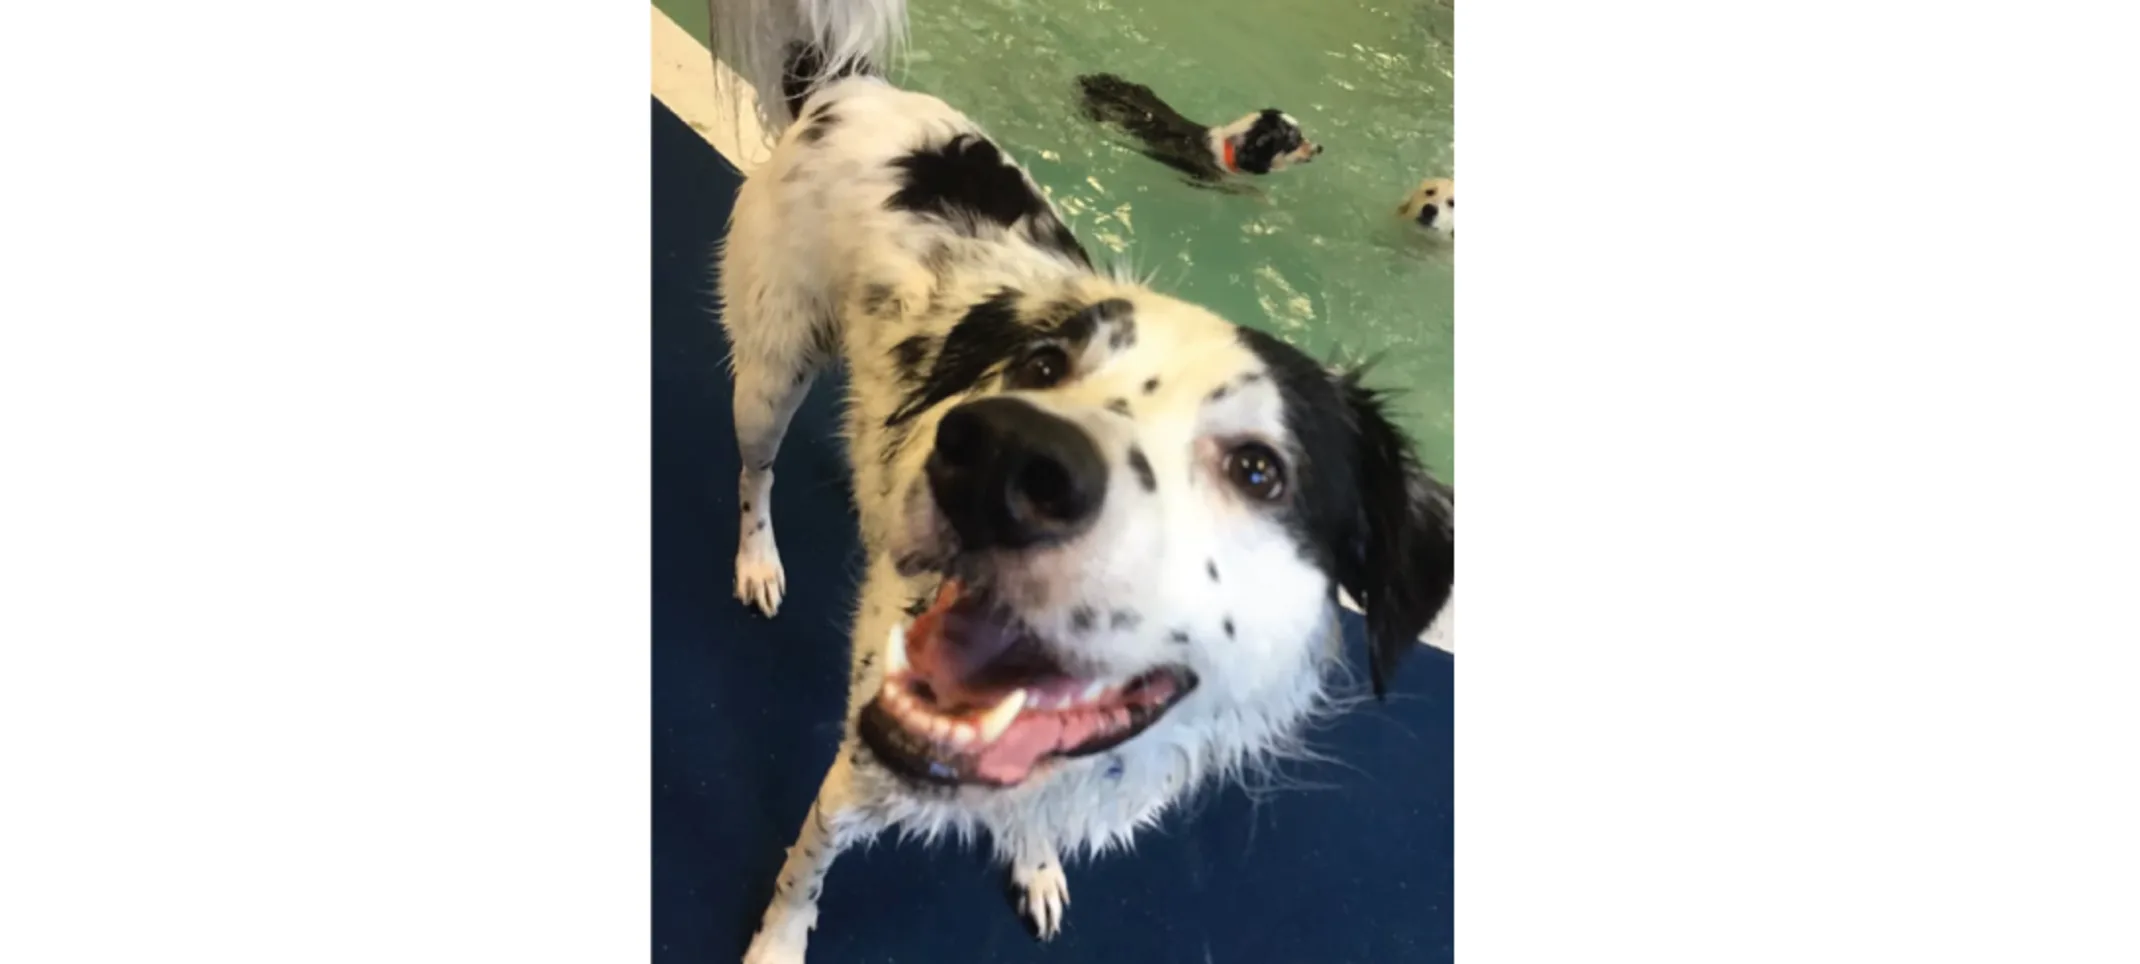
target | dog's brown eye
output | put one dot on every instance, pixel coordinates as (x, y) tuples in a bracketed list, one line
[(1451, 203), (1256, 471), (1041, 368)]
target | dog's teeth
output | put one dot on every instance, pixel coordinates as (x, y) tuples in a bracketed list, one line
[(1092, 691), (895, 650), (961, 734), (992, 723)]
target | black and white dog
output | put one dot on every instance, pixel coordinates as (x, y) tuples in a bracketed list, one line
[(1105, 529), (1259, 143)]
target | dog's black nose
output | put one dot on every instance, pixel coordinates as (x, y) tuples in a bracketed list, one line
[(1427, 213), (1007, 475)]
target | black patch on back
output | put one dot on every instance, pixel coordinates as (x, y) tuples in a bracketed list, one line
[(1143, 468), (967, 182), (989, 335)]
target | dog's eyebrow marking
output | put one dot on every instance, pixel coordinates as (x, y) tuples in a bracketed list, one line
[(1076, 325), (1125, 333), (1123, 619), (908, 356), (1151, 385), (875, 296), (1143, 468), (1178, 636), (1081, 618), (1229, 627), (988, 334), (1212, 566), (1119, 406), (820, 125)]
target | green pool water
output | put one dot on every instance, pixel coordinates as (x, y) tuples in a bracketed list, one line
[(1318, 256)]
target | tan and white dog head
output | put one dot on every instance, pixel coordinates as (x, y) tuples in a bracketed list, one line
[(1432, 205)]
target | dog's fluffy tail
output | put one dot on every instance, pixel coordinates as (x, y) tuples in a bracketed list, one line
[(788, 49)]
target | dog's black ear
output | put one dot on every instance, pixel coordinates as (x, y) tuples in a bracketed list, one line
[(1401, 560)]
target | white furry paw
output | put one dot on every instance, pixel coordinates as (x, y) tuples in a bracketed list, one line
[(1042, 892), (775, 947), (760, 581)]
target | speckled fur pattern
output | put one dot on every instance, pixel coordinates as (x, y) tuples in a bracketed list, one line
[(888, 234)]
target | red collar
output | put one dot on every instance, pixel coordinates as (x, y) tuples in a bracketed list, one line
[(1228, 157)]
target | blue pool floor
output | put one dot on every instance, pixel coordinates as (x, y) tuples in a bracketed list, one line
[(746, 715)]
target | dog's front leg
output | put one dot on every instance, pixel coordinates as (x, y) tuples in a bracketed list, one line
[(1039, 888), (834, 824)]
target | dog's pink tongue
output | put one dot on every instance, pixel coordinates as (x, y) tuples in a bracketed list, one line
[(948, 647), (1032, 738)]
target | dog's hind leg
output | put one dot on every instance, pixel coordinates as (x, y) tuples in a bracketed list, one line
[(1039, 887), (779, 342), (835, 823)]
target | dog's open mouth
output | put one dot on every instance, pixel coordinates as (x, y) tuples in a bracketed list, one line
[(970, 698)]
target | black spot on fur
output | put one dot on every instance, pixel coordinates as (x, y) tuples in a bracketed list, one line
[(968, 183), (819, 126), (746, 507), (1119, 406), (1151, 385), (875, 297), (909, 355), (802, 376), (761, 526), (1081, 618), (824, 341), (1124, 334), (988, 335), (1212, 566), (1123, 619), (1178, 636), (1143, 468), (1217, 393), (1228, 624)]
